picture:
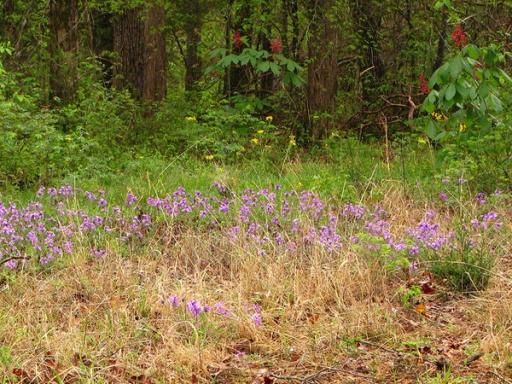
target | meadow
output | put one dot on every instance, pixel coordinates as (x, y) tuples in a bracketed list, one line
[(302, 272)]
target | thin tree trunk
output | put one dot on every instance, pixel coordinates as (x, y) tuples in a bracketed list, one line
[(193, 26), (323, 69), (441, 42), (6, 27), (267, 79), (367, 21), (103, 43), (294, 13), (63, 47)]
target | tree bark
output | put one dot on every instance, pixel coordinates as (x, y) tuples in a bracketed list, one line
[(367, 21), (267, 79), (103, 43), (322, 70), (139, 42), (6, 27), (294, 13), (193, 27), (441, 42), (63, 47)]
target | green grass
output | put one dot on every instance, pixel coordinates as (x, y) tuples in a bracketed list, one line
[(346, 171)]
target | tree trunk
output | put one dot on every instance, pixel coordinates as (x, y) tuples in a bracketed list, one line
[(63, 47), (441, 42), (267, 79), (322, 70), (367, 21), (193, 26), (6, 26), (139, 42), (103, 43), (237, 77), (294, 13)]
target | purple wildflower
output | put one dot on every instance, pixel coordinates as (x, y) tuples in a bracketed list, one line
[(195, 308), (131, 199), (174, 301), (256, 319)]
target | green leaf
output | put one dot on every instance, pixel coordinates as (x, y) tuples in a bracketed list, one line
[(495, 103), (456, 67), (440, 136), (450, 92), (429, 107), (483, 91), (462, 89), (473, 51), (264, 66), (275, 69), (431, 130), (505, 75)]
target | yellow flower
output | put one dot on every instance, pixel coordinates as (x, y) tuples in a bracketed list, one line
[(439, 116), (209, 157), (462, 127), (422, 140), (255, 140), (292, 140), (260, 131), (269, 118), (191, 119)]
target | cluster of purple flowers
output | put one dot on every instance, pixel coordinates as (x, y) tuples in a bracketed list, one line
[(196, 309), (265, 220)]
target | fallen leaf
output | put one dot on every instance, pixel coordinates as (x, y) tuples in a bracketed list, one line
[(421, 309), (18, 372), (426, 288)]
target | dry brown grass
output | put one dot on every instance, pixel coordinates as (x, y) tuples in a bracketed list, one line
[(107, 320)]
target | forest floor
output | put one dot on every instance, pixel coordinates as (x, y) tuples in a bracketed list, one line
[(282, 317)]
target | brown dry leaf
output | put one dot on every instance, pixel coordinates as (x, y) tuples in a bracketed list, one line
[(194, 379), (263, 377), (427, 288), (140, 379), (18, 372), (421, 309), (313, 318)]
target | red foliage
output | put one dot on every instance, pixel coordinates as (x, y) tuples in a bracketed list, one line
[(458, 36), (423, 84), (237, 40), (276, 45)]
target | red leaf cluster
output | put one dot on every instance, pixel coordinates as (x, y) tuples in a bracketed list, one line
[(423, 84), (237, 40), (276, 45), (458, 36)]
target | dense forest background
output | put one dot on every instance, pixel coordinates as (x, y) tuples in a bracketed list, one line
[(87, 85)]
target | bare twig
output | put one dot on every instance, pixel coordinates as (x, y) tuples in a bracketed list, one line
[(503, 379), (2, 262)]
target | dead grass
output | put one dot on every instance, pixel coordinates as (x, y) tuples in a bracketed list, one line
[(325, 319)]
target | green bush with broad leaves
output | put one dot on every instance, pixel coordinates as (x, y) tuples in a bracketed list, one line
[(467, 113)]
